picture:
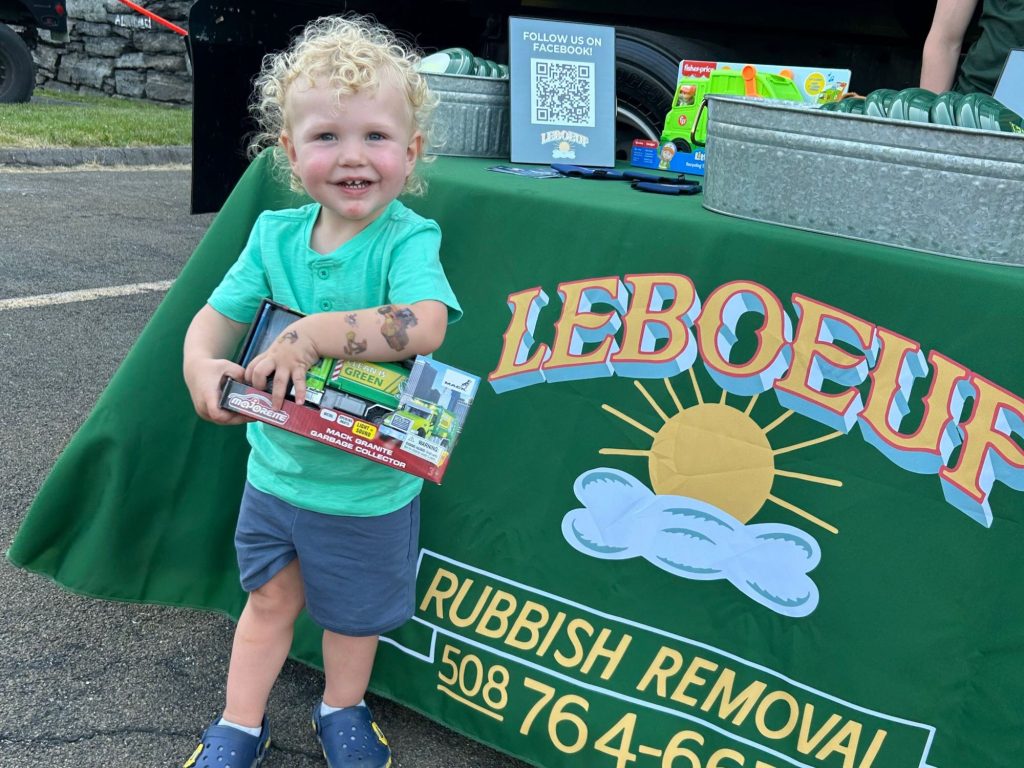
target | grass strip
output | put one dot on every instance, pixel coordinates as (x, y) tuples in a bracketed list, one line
[(57, 119)]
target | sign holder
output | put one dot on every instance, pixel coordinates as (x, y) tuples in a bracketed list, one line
[(562, 92)]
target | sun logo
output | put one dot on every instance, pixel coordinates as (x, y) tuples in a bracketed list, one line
[(738, 475), (563, 150), (712, 469)]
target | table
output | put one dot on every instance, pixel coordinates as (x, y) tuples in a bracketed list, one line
[(687, 524)]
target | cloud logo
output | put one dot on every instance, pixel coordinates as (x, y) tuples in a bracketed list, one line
[(621, 518)]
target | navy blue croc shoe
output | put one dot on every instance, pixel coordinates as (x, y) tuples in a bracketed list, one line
[(351, 739), (226, 747)]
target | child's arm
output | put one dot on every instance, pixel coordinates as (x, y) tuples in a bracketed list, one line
[(210, 339), (378, 334)]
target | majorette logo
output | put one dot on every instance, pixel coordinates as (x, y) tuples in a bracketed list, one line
[(258, 405)]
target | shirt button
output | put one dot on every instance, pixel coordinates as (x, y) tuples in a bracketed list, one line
[(324, 274), (325, 305)]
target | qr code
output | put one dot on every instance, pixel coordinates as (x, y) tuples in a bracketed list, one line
[(562, 93)]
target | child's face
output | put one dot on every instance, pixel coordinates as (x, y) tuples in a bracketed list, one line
[(352, 155)]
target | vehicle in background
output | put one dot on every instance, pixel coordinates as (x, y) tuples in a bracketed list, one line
[(20, 23), (878, 40)]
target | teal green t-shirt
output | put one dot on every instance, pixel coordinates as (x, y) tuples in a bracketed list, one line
[(395, 260)]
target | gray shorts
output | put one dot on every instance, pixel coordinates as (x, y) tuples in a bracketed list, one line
[(359, 573)]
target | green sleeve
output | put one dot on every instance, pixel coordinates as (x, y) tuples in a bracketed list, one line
[(415, 272), (239, 294)]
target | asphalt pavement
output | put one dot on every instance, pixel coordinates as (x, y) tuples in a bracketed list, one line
[(84, 682)]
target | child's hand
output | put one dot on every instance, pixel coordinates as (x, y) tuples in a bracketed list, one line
[(287, 361), (205, 378)]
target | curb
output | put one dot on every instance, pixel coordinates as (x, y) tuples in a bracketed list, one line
[(106, 156)]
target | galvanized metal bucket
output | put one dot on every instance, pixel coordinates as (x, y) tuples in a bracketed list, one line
[(944, 190), (472, 117)]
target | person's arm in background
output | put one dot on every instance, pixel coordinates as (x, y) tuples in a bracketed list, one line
[(941, 53)]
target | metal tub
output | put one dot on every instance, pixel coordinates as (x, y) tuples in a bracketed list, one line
[(950, 191), (472, 116)]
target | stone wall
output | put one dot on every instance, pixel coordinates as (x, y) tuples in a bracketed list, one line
[(117, 51)]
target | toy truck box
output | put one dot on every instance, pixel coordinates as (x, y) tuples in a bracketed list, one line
[(680, 147), (406, 415)]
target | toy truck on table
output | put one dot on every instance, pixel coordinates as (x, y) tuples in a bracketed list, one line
[(685, 125), (407, 415), (684, 131)]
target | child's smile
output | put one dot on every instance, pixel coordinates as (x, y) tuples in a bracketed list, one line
[(353, 153)]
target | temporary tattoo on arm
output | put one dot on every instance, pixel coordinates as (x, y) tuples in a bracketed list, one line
[(290, 336), (394, 325), (354, 347), (352, 319)]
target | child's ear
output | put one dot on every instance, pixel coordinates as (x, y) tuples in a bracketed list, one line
[(289, 148), (414, 150)]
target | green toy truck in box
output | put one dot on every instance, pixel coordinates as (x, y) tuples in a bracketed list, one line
[(684, 133), (367, 390), (685, 125), (407, 415)]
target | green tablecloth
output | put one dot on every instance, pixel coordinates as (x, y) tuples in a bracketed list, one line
[(644, 568)]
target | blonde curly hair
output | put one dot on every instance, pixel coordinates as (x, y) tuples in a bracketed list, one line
[(354, 53)]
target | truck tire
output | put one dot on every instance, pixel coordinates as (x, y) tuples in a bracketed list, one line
[(646, 71), (17, 70)]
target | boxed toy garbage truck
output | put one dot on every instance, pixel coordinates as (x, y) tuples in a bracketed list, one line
[(680, 147), (407, 415)]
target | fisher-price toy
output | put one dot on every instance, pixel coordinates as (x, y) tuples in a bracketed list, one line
[(685, 124)]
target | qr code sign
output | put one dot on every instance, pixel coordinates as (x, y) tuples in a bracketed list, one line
[(562, 93)]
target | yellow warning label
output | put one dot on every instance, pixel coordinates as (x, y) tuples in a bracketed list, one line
[(364, 430)]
